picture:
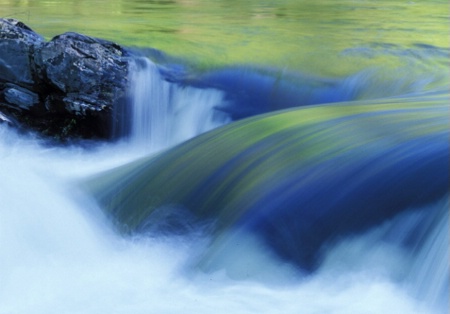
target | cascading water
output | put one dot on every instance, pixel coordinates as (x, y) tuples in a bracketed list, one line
[(115, 227), (60, 254), (430, 273), (164, 113)]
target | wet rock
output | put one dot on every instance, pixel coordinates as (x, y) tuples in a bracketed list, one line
[(65, 88), (5, 120), (18, 97), (90, 73), (17, 44)]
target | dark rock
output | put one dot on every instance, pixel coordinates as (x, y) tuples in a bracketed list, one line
[(5, 119), (18, 97), (65, 88), (90, 73), (17, 44)]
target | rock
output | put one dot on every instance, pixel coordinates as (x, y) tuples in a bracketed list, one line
[(90, 73), (5, 119), (18, 97), (17, 44), (68, 87)]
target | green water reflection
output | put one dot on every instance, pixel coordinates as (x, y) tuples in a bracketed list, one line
[(327, 37)]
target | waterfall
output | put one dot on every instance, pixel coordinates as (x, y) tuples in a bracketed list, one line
[(164, 113), (430, 274), (60, 253)]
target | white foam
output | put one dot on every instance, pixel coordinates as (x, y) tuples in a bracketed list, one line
[(58, 254), (164, 113)]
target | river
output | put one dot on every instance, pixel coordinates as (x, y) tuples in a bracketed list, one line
[(371, 80)]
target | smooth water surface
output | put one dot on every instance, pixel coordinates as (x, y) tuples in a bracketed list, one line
[(321, 37), (60, 252)]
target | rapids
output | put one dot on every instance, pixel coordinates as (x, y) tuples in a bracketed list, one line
[(276, 157), (62, 252)]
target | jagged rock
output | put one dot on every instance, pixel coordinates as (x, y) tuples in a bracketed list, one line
[(17, 44), (67, 87), (90, 73), (18, 97)]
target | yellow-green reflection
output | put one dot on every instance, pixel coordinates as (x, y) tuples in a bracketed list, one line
[(316, 36), (225, 172)]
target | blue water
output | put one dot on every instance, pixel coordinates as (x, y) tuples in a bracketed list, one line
[(359, 224), (378, 209)]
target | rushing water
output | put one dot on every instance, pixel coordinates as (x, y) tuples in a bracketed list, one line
[(66, 213)]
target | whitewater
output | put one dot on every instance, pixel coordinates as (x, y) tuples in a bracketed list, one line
[(61, 254)]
